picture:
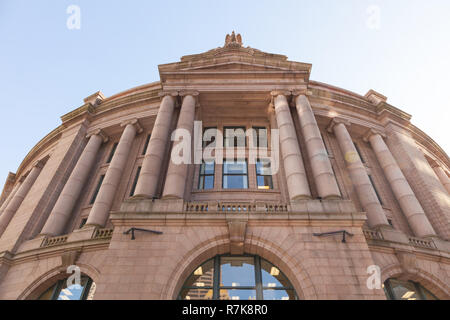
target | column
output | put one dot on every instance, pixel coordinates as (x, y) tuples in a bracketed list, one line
[(403, 193), (63, 208), (358, 174), (318, 157), (10, 196), (152, 163), (294, 168), (100, 211), (443, 177), (177, 173), (19, 196)]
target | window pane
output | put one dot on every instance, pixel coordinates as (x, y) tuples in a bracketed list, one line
[(235, 182), (209, 182), (207, 168), (202, 276), (73, 292), (271, 294), (260, 137), (197, 294), (235, 167), (209, 137), (264, 182), (263, 167), (403, 290), (234, 137), (272, 276), (237, 271), (237, 294)]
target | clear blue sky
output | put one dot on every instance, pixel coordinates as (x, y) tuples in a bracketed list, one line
[(46, 69)]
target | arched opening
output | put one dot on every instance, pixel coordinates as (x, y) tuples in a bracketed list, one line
[(396, 289), (63, 290), (230, 277)]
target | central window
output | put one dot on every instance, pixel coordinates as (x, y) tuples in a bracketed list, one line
[(235, 174), (237, 278)]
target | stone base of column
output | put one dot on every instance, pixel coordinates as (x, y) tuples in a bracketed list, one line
[(390, 234), (85, 233), (33, 243)]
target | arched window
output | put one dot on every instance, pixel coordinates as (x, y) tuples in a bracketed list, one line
[(406, 290), (237, 278), (60, 291)]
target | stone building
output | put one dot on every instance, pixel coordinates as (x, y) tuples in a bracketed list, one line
[(357, 189)]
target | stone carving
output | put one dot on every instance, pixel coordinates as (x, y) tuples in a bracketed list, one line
[(233, 40)]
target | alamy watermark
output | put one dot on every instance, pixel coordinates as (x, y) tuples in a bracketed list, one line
[(74, 19)]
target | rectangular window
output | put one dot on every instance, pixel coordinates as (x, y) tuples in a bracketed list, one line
[(147, 141), (264, 174), (82, 223), (97, 189), (136, 178), (111, 154), (234, 137), (260, 137), (359, 152), (206, 177), (235, 174), (374, 188), (209, 137)]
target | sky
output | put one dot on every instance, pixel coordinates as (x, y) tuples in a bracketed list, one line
[(399, 48)]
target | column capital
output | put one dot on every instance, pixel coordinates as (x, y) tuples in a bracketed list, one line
[(100, 133), (304, 92), (134, 122), (335, 121), (193, 93), (39, 164), (372, 132), (162, 94), (277, 93)]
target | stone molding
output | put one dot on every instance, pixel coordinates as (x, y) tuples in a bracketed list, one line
[(372, 132), (335, 121)]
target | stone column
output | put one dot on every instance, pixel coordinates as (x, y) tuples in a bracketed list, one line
[(318, 157), (62, 210), (177, 173), (10, 196), (358, 174), (403, 193), (19, 196), (102, 205), (294, 168), (443, 177), (151, 166)]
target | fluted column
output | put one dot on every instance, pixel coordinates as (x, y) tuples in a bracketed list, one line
[(294, 168), (151, 166), (63, 208), (102, 205), (403, 193), (318, 157), (19, 196), (177, 173), (443, 177), (358, 174)]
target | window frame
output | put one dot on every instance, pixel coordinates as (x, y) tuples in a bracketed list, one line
[(258, 287), (234, 174), (271, 187), (204, 175)]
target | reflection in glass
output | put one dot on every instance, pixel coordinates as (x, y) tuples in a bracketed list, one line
[(206, 177), (235, 174), (237, 278), (264, 174), (237, 272), (60, 291), (406, 290)]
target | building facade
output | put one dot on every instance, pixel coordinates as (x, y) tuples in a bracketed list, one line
[(343, 199)]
